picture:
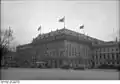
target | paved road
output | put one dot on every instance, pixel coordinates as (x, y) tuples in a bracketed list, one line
[(58, 74)]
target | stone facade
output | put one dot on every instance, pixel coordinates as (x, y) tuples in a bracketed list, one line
[(64, 46), (108, 53)]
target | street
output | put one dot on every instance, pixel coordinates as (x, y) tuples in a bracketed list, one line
[(57, 74)]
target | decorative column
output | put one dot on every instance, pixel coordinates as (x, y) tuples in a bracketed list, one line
[(76, 63), (57, 64), (53, 63), (49, 63)]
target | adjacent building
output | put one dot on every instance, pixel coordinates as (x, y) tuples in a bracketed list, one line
[(107, 53)]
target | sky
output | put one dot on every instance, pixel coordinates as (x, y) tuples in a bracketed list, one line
[(100, 18)]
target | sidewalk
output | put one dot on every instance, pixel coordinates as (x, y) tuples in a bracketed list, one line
[(104, 70)]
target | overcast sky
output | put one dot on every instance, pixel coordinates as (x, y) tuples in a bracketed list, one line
[(100, 18)]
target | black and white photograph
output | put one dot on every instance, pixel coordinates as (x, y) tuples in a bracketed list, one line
[(60, 40)]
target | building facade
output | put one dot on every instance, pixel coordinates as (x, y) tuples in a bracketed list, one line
[(66, 47), (107, 53)]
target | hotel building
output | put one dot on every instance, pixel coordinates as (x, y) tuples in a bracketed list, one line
[(61, 47)]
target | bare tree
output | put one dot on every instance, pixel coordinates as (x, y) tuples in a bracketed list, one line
[(6, 39)]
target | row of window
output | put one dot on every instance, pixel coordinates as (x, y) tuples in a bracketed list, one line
[(62, 53), (71, 61), (8, 57), (107, 62), (70, 51), (53, 53), (76, 50), (106, 49), (107, 56)]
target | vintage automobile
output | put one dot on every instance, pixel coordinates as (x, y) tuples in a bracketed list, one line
[(80, 67), (65, 66)]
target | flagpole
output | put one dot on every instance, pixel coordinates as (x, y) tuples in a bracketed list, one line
[(0, 38), (64, 22), (87, 36), (83, 32), (119, 35), (40, 31), (81, 27), (113, 36)]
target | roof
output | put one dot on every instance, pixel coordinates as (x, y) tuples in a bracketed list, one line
[(24, 46), (107, 44), (67, 32)]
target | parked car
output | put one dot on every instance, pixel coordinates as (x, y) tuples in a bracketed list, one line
[(17, 66), (80, 67), (48, 67), (33, 66), (65, 67)]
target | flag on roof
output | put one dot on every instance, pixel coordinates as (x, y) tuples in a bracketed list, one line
[(82, 27), (39, 28), (62, 19)]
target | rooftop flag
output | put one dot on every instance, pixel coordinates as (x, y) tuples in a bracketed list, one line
[(82, 27), (39, 28), (62, 19)]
